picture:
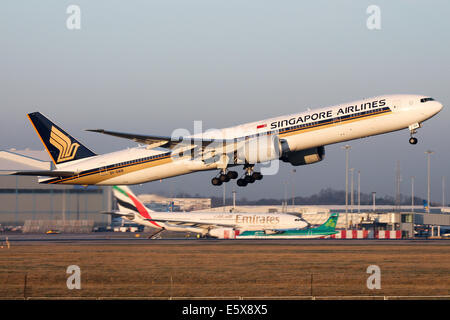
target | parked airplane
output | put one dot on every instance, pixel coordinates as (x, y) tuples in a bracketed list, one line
[(326, 229), (298, 139), (213, 224)]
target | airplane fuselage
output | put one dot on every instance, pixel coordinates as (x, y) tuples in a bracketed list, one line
[(302, 131), (196, 222)]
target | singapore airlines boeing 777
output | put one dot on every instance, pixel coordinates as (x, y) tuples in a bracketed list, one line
[(298, 139)]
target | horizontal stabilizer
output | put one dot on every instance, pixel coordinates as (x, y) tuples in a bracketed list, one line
[(47, 173)]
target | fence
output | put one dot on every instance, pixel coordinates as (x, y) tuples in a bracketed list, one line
[(20, 285), (367, 234)]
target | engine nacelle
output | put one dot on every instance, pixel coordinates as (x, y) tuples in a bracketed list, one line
[(302, 157), (223, 233), (260, 149)]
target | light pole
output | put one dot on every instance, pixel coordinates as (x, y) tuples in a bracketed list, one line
[(346, 148), (359, 191), (285, 196), (293, 180), (397, 187), (412, 193), (373, 200), (224, 196), (429, 153), (351, 190), (234, 199), (443, 191)]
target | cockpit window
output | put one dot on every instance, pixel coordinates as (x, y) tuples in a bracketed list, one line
[(426, 99)]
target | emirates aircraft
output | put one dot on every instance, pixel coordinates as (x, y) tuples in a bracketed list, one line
[(222, 225), (298, 139)]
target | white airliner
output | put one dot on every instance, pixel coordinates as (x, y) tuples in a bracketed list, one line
[(298, 139), (218, 225)]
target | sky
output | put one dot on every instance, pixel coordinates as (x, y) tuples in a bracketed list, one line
[(151, 67)]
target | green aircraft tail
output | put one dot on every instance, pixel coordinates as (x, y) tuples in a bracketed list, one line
[(329, 225)]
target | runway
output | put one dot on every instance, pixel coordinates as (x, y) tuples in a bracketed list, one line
[(142, 238)]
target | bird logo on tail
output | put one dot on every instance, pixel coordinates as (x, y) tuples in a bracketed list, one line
[(67, 149)]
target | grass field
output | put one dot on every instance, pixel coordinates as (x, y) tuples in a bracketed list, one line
[(224, 269)]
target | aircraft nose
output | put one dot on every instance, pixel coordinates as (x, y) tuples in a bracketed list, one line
[(437, 107), (432, 108)]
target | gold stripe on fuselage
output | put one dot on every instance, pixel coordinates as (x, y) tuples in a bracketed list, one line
[(100, 175), (332, 123)]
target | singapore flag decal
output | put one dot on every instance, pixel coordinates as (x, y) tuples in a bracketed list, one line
[(261, 126)]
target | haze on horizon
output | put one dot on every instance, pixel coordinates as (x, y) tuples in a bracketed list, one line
[(152, 67)]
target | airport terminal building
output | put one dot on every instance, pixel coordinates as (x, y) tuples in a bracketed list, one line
[(23, 199)]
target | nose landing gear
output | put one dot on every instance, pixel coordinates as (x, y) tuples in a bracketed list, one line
[(413, 140), (413, 130)]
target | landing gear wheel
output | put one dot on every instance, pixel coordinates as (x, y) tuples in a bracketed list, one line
[(257, 175), (249, 179), (232, 174), (216, 181), (224, 178), (413, 140), (241, 182)]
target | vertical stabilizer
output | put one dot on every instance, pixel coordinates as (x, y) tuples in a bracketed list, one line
[(128, 202), (60, 145)]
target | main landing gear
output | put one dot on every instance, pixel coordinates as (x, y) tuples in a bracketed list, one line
[(224, 177), (250, 176), (413, 130)]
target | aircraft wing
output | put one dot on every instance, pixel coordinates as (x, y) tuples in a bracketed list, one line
[(274, 231), (47, 173), (119, 213), (209, 150), (164, 141), (184, 223), (150, 140)]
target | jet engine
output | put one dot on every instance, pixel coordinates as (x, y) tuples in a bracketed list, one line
[(260, 149), (302, 157)]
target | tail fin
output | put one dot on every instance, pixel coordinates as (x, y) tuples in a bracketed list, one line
[(60, 145), (128, 202), (330, 224)]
